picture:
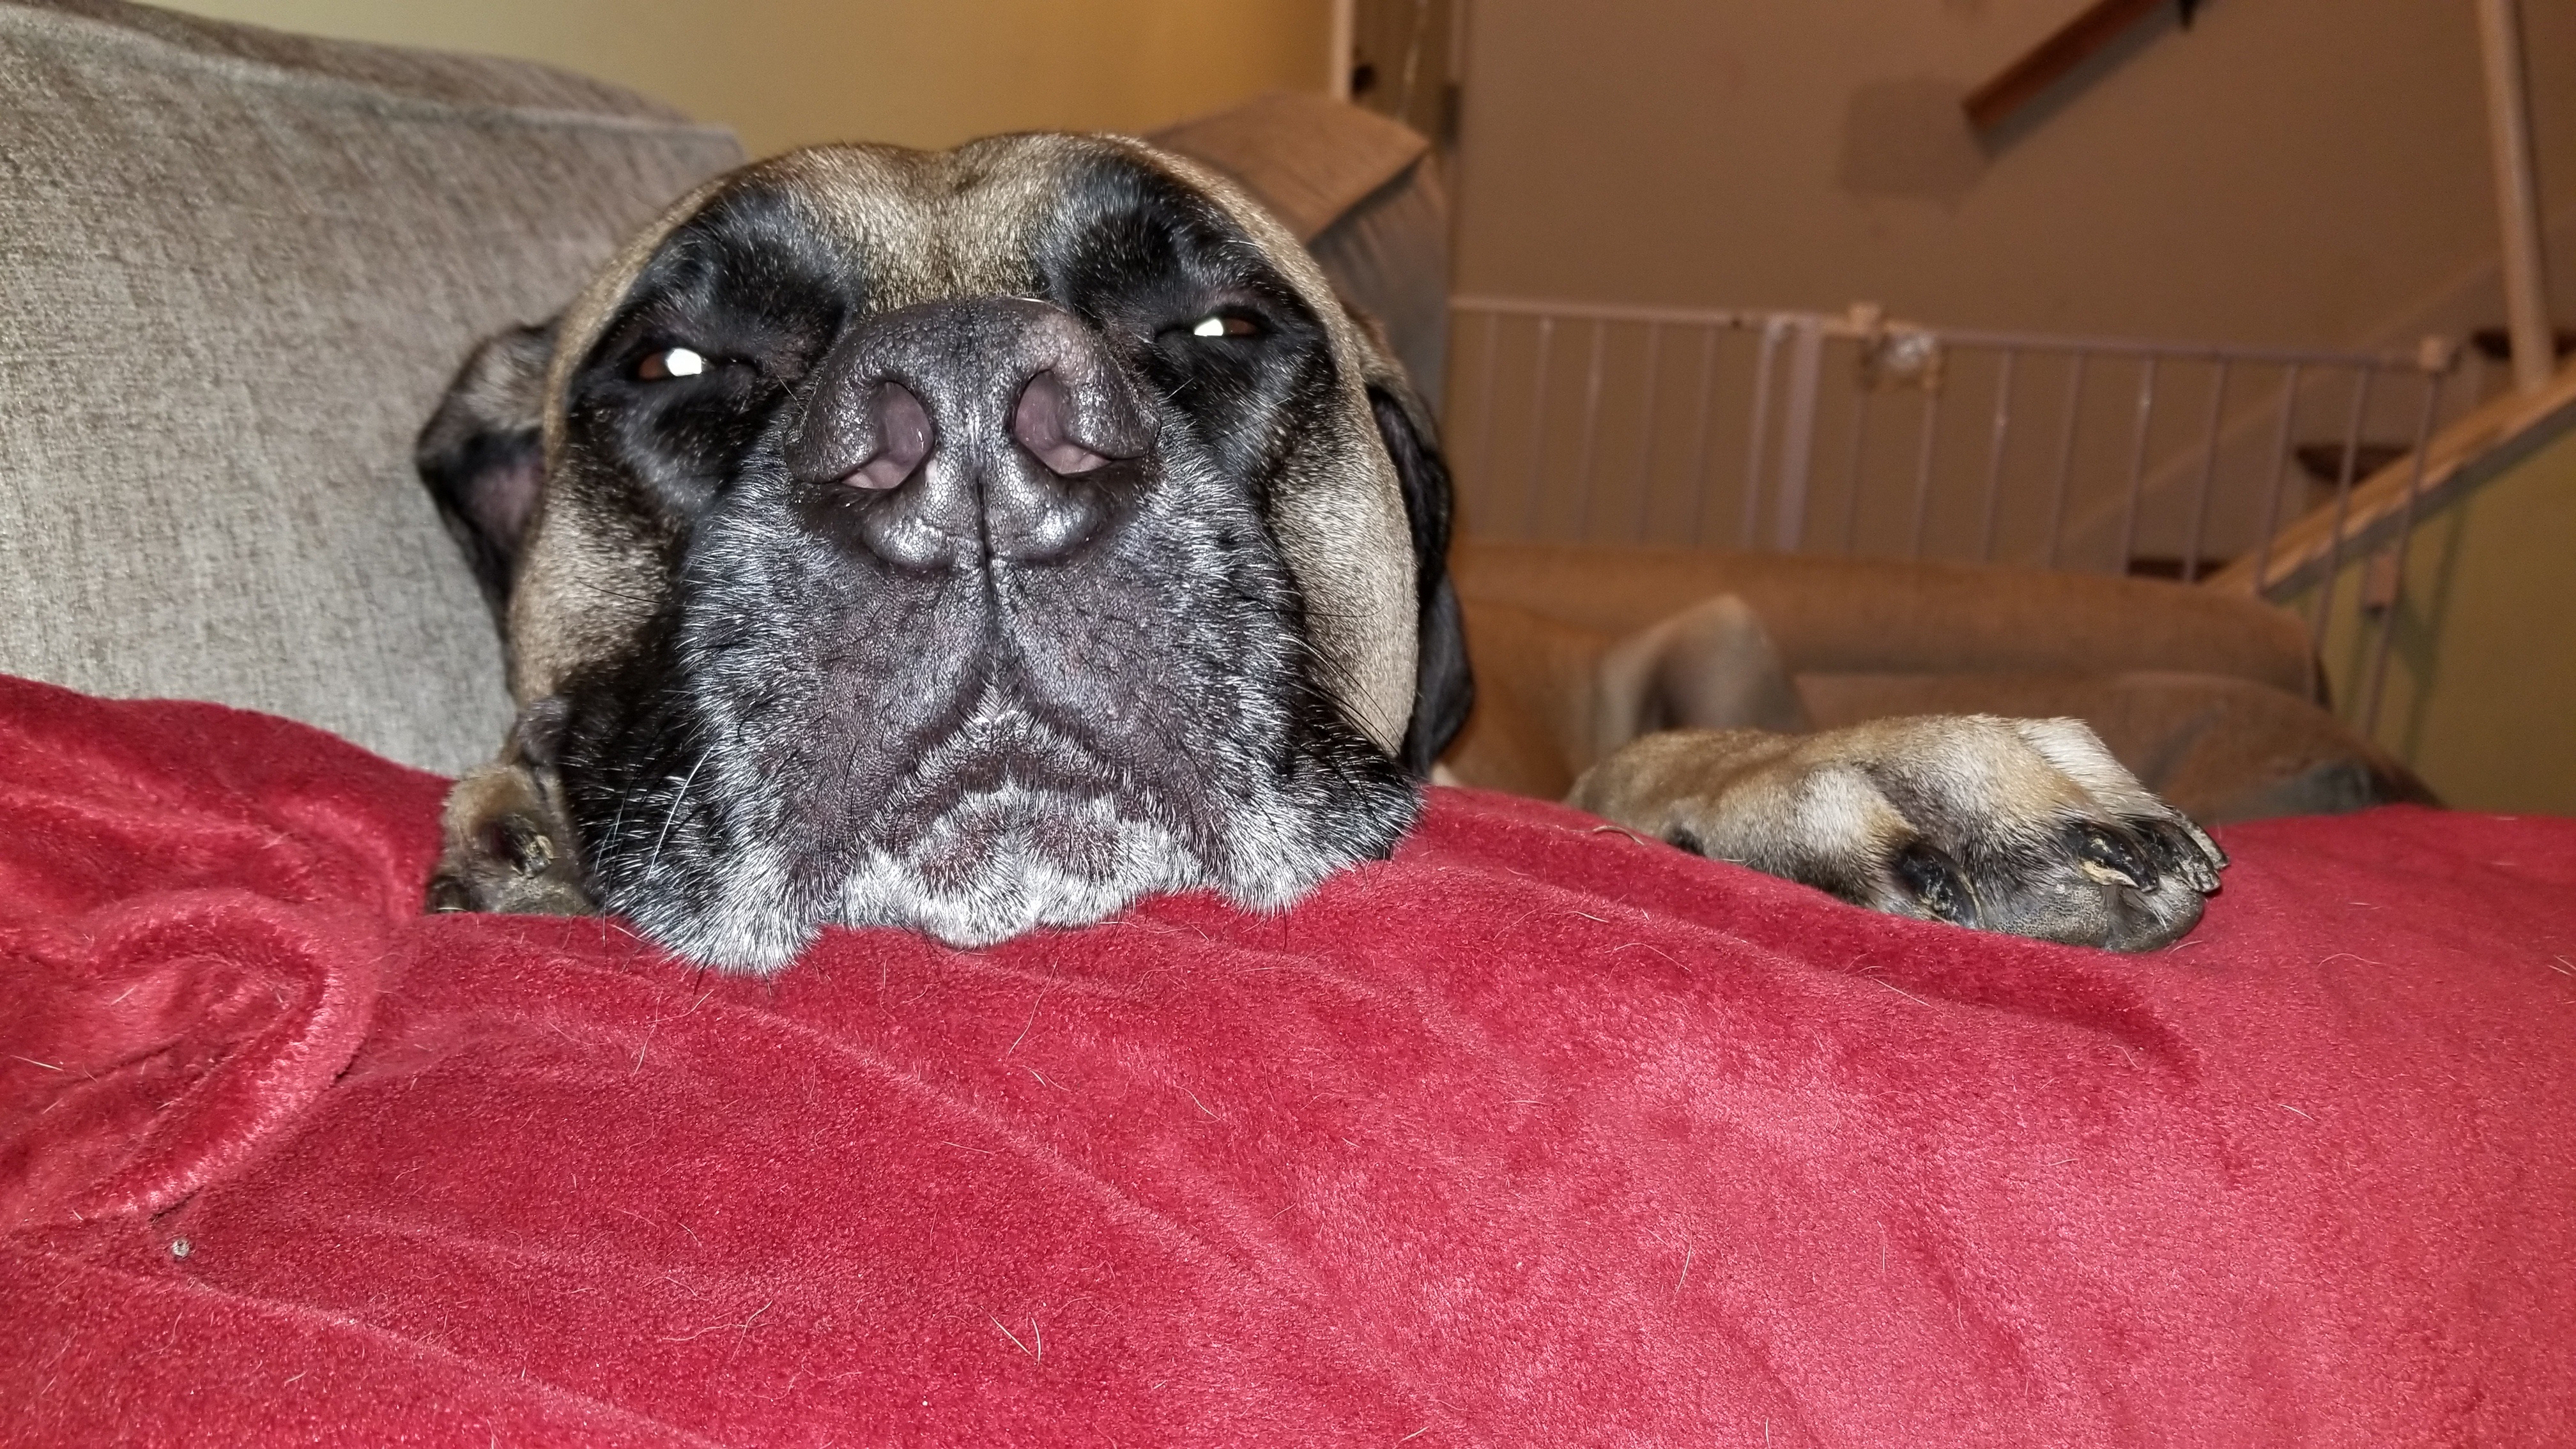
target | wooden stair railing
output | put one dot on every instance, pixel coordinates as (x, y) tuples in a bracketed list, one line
[(2079, 40)]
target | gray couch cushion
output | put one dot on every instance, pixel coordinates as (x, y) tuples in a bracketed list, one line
[(236, 268), (1362, 191)]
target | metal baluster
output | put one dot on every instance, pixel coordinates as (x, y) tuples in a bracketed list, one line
[(2137, 466), (1485, 468), (1591, 427), (2066, 453), (1699, 447), (1538, 425), (1995, 453), (1798, 435), (1851, 468), (1923, 465), (1646, 429), (2369, 723), (2343, 501), (1761, 425), (2208, 473), (2280, 467)]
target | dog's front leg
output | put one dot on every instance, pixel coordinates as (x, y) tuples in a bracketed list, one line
[(2016, 825)]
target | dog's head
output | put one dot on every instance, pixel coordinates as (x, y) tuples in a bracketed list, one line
[(966, 541)]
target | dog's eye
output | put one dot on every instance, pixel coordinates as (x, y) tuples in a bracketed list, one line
[(1225, 324), (670, 362)]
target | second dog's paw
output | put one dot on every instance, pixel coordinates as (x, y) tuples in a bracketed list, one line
[(2023, 826), (508, 849)]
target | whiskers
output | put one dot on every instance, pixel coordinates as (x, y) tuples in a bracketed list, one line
[(677, 801)]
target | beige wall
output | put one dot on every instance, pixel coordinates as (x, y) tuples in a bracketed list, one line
[(2480, 691), (2291, 172), (790, 72)]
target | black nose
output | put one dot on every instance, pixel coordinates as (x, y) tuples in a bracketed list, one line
[(949, 434)]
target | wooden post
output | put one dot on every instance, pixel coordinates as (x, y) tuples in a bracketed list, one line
[(2526, 283), (1346, 18)]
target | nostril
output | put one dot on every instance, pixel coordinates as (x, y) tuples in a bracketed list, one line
[(1042, 422), (903, 438)]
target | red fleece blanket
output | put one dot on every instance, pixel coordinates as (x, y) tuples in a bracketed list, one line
[(1537, 1134)]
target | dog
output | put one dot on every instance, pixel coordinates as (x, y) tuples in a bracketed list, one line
[(984, 540)]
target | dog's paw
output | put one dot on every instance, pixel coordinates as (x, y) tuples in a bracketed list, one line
[(508, 848), (2016, 825)]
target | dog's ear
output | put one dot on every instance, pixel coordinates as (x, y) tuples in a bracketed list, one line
[(1443, 688), (481, 457)]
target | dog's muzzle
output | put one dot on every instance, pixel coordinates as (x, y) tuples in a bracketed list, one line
[(956, 434)]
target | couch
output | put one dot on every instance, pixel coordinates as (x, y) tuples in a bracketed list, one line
[(1535, 1133)]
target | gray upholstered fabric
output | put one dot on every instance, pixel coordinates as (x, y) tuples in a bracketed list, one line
[(1310, 159), (1362, 191), (1389, 255), (235, 270)]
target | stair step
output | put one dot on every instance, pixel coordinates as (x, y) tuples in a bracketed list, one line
[(2159, 566), (2496, 344), (2323, 462)]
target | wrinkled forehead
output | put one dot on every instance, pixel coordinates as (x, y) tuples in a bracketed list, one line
[(991, 218)]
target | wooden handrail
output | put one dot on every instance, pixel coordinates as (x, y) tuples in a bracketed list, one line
[(2499, 434), (2059, 56), (2526, 265)]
